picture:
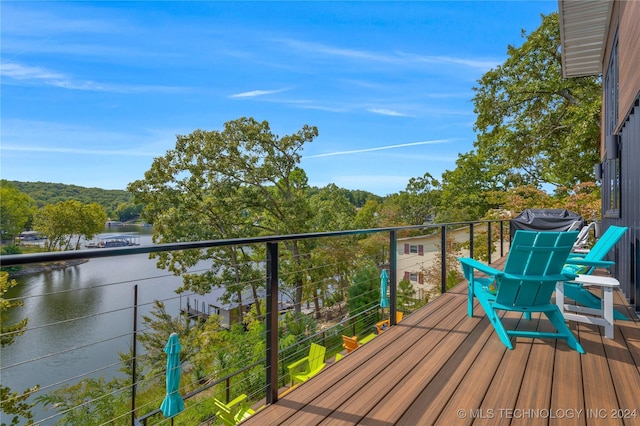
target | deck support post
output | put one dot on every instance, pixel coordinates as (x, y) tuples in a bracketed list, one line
[(489, 243), (392, 277), (272, 323), (443, 255)]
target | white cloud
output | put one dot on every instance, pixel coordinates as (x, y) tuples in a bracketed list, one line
[(81, 151), (255, 93), (23, 72), (399, 57), (39, 75), (390, 112)]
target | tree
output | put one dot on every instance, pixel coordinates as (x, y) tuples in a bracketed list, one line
[(367, 215), (543, 126), (433, 273), (127, 211), (12, 403), (242, 181), (418, 202), (90, 401), (406, 293), (51, 193), (329, 261), (364, 293), (16, 209), (64, 224), (464, 189)]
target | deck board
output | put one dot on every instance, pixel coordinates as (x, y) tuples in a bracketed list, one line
[(439, 366)]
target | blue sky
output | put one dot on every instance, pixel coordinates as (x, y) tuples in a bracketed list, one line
[(91, 92)]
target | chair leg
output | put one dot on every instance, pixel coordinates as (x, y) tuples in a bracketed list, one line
[(558, 321), (493, 317), (470, 299)]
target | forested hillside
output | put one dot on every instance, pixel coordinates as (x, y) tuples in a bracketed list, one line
[(45, 193)]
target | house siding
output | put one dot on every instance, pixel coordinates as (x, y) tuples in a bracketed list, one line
[(626, 253), (629, 16)]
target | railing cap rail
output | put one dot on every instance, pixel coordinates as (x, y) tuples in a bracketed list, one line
[(23, 259)]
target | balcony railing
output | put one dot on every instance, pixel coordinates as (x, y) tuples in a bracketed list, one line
[(77, 356)]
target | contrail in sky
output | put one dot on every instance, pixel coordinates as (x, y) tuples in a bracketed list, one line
[(380, 148)]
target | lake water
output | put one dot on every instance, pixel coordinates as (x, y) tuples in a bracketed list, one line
[(70, 310)]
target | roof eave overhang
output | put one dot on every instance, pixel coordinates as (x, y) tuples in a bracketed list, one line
[(583, 33)]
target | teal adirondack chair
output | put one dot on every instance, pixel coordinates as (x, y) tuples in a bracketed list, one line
[(532, 269), (307, 367), (579, 263)]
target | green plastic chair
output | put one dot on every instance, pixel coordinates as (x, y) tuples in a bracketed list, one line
[(307, 367), (225, 411), (531, 271), (581, 263)]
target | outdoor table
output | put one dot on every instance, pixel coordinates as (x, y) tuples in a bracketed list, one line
[(602, 316)]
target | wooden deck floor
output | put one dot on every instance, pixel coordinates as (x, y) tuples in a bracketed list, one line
[(439, 366)]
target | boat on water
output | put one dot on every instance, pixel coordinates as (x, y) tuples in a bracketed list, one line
[(114, 241)]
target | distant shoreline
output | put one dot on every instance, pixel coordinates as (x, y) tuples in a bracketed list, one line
[(37, 268)]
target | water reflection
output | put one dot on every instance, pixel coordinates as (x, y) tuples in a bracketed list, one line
[(70, 310)]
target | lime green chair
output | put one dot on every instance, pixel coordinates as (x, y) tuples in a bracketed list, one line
[(225, 411), (307, 367), (531, 271)]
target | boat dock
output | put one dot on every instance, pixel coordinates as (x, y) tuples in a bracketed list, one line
[(114, 241)]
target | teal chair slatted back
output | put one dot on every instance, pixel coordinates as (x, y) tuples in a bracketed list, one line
[(606, 242), (533, 267), (598, 252)]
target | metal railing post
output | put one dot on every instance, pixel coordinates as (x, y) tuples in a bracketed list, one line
[(392, 277), (272, 323), (443, 254), (501, 239), (134, 355), (471, 240), (489, 243)]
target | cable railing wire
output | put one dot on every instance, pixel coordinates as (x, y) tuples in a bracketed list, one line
[(317, 285)]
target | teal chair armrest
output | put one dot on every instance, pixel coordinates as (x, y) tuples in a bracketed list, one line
[(472, 263), (595, 263)]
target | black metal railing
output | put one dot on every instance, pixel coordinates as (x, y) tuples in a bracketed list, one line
[(272, 358)]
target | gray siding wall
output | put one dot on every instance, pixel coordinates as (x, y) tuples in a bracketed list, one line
[(626, 253)]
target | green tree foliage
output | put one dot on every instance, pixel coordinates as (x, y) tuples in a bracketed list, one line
[(90, 401), (51, 193), (333, 210), (406, 293), (367, 215), (239, 182), (64, 224), (329, 262), (464, 189), (433, 273), (543, 126), (364, 294), (356, 197), (13, 405), (160, 324), (418, 202), (16, 210), (128, 211)]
